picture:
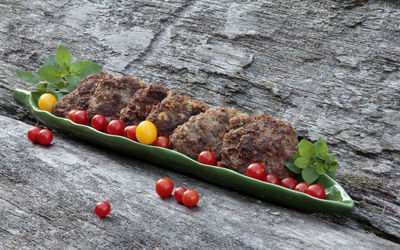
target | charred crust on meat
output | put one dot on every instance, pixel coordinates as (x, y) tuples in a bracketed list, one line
[(79, 98), (204, 131), (111, 95), (174, 110), (142, 102), (260, 139)]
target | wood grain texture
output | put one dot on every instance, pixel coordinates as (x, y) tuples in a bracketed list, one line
[(330, 68)]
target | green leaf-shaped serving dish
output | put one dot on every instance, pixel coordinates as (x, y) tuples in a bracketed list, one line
[(337, 200)]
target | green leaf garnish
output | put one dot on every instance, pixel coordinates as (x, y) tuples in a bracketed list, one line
[(63, 58), (59, 74), (302, 162), (85, 68), (306, 148), (73, 81), (309, 174), (312, 161), (321, 146), (290, 165), (52, 60), (50, 73), (27, 77)]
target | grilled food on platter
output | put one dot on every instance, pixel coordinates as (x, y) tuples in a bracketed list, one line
[(204, 131), (112, 95), (235, 138), (173, 111), (141, 103), (79, 98), (261, 139)]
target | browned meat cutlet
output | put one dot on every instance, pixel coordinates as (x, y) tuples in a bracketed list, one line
[(79, 98), (260, 139), (141, 103), (112, 95), (174, 110), (204, 131)]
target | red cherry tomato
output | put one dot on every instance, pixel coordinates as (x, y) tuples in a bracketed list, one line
[(115, 127), (45, 137), (178, 194), (190, 198), (102, 208), (207, 157), (164, 187), (33, 134), (289, 182), (124, 134), (81, 117), (272, 179), (99, 122), (71, 114), (301, 187), (256, 170), (161, 141), (316, 190), (131, 132)]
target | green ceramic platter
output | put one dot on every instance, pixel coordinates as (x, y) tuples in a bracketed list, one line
[(337, 200)]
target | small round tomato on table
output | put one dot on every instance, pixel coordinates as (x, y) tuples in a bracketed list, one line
[(164, 187), (190, 198)]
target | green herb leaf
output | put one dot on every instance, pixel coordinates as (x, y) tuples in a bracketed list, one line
[(320, 169), (323, 156), (85, 68), (290, 165), (52, 60), (63, 57), (49, 73), (331, 174), (333, 166), (331, 159), (321, 146), (301, 162), (27, 77), (306, 148), (73, 81), (309, 175)]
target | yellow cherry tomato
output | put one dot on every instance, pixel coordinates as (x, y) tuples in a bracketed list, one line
[(46, 102), (146, 132)]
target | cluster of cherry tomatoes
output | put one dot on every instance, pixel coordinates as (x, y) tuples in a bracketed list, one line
[(257, 171), (145, 132), (188, 197), (39, 135)]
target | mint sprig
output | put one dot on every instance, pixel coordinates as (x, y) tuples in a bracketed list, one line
[(59, 74), (312, 161)]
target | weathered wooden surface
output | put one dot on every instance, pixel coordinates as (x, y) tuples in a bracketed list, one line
[(331, 68)]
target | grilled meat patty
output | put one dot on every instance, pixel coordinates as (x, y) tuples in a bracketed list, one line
[(174, 110), (79, 98), (204, 131), (141, 103), (111, 95), (259, 139)]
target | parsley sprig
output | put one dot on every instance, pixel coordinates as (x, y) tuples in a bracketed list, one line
[(59, 74), (312, 161)]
